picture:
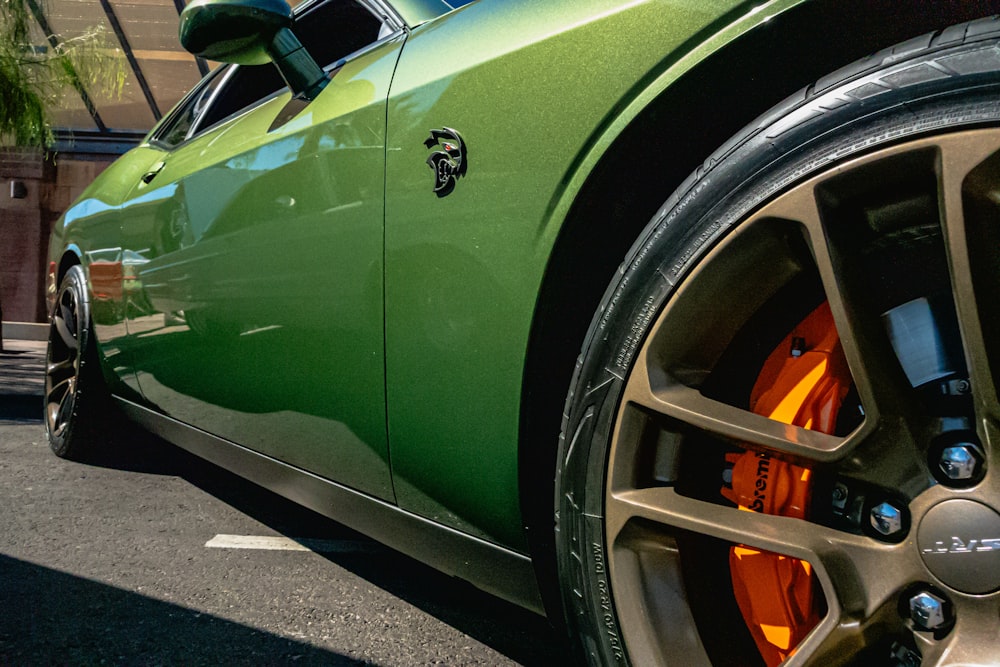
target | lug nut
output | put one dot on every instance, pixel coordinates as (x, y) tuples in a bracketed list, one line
[(902, 656), (839, 496), (886, 519), (959, 462), (928, 611)]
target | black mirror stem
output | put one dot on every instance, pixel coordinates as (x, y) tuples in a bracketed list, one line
[(303, 75)]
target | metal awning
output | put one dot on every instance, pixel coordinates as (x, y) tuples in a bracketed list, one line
[(159, 71)]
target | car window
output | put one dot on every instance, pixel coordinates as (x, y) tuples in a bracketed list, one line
[(177, 126), (330, 30)]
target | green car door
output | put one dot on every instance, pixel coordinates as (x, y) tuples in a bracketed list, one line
[(252, 260)]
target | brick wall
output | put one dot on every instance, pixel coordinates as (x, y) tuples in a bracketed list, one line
[(49, 187)]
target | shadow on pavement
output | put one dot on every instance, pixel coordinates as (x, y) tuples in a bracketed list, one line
[(20, 409), (519, 634), (22, 382), (22, 369), (112, 626), (508, 629), (127, 622)]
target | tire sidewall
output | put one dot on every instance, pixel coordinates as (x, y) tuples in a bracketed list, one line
[(783, 148), (66, 444)]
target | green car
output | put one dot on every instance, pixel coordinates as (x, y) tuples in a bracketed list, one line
[(678, 322)]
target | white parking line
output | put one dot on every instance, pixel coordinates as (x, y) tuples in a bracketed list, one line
[(280, 543)]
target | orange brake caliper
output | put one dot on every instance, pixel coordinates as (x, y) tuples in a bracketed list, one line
[(803, 383)]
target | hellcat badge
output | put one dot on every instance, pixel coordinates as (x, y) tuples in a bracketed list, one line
[(450, 163)]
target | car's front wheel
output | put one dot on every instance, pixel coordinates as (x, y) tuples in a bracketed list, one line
[(781, 437)]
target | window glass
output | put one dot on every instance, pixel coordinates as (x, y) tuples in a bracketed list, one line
[(330, 32), (175, 129), (70, 19), (151, 31)]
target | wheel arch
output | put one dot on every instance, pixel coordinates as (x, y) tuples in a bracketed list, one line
[(70, 257), (652, 155)]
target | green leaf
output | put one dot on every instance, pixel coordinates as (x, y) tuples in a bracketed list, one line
[(35, 77)]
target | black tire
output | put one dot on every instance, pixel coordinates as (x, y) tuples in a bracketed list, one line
[(77, 403), (642, 587)]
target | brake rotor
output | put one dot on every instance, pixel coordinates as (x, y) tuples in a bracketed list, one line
[(803, 382)]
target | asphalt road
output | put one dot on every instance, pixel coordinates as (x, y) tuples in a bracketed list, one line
[(107, 563)]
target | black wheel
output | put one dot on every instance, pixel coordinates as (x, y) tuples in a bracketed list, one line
[(779, 440), (76, 399)]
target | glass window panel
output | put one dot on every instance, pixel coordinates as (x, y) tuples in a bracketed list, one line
[(132, 112), (151, 29), (169, 79), (69, 110), (149, 24), (71, 113), (71, 18)]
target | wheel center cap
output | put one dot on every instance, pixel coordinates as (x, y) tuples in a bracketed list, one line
[(959, 541)]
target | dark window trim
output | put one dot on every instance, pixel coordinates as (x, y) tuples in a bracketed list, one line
[(154, 136), (231, 70), (94, 143)]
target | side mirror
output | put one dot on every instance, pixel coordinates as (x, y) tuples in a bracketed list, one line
[(251, 32)]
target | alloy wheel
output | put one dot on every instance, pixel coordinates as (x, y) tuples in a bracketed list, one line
[(63, 360), (900, 529)]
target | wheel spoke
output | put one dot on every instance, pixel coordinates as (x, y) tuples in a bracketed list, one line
[(839, 641), (66, 335), (60, 389), (56, 426), (56, 367), (860, 573), (682, 348), (663, 505), (969, 183), (691, 407), (971, 642), (882, 386), (60, 416)]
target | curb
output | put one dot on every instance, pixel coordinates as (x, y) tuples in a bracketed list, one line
[(24, 331)]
